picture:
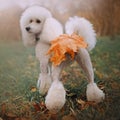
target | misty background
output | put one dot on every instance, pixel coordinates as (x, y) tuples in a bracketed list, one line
[(104, 14)]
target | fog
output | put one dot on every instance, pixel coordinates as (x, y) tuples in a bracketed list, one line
[(11, 10), (61, 6)]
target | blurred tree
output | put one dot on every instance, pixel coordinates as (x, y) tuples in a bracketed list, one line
[(108, 18)]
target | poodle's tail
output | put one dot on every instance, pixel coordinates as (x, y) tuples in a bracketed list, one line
[(82, 27)]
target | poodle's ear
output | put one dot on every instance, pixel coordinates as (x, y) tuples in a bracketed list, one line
[(51, 29)]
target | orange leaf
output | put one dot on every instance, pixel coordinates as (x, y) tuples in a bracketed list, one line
[(65, 44), (33, 89), (3, 108), (36, 106)]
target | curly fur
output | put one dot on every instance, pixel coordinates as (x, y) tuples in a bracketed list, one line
[(38, 28), (55, 98), (32, 13), (82, 27)]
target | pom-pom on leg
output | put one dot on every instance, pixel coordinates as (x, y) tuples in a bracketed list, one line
[(44, 83), (55, 98), (94, 93)]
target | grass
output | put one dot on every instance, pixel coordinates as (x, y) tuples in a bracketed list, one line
[(20, 100)]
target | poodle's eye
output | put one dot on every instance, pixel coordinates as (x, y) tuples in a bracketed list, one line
[(38, 21), (31, 21)]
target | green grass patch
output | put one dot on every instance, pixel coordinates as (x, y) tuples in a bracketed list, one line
[(19, 71)]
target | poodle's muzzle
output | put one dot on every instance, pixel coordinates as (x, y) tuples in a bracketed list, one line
[(36, 35), (27, 29)]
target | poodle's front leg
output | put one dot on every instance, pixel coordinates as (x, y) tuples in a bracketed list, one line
[(44, 80), (93, 92), (55, 98)]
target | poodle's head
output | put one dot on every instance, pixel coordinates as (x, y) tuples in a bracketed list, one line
[(31, 23)]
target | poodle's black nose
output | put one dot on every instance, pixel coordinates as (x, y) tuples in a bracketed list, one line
[(27, 28)]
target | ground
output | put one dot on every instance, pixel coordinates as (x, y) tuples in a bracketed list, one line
[(20, 100)]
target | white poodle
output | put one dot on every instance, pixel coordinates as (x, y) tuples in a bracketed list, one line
[(38, 29)]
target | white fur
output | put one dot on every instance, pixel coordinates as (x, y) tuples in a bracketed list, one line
[(52, 29), (55, 98), (82, 27), (32, 13), (39, 35), (44, 83), (94, 93), (48, 29)]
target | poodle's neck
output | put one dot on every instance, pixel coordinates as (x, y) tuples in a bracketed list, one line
[(37, 38)]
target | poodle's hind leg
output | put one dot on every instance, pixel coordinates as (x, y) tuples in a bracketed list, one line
[(93, 92), (44, 80), (55, 98)]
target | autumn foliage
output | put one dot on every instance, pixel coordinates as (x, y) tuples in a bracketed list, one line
[(65, 44)]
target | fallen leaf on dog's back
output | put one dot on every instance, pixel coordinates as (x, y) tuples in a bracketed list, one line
[(63, 45)]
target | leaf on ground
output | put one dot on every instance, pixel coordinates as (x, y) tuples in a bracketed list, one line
[(99, 74), (10, 116), (36, 107), (115, 85), (71, 94), (33, 89), (22, 119), (68, 117), (84, 104), (3, 108), (39, 106)]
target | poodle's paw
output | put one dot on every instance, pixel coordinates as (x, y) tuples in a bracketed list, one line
[(94, 93), (55, 98), (44, 83)]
